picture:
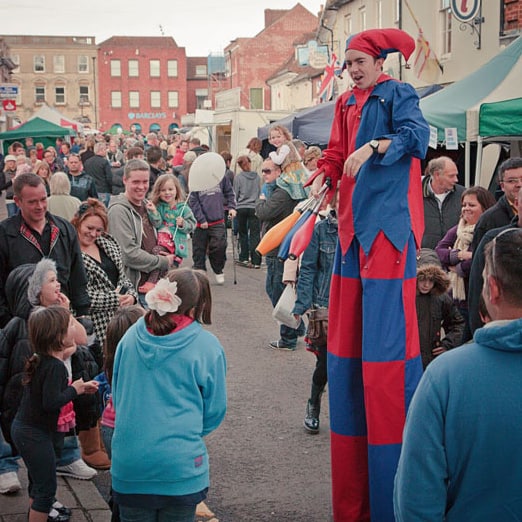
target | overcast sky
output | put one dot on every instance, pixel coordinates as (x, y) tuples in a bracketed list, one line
[(201, 26)]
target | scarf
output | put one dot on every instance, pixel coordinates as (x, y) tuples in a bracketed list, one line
[(464, 238)]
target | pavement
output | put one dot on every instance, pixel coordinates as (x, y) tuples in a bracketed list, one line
[(82, 496)]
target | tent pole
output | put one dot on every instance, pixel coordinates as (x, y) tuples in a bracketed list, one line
[(478, 166), (467, 156)]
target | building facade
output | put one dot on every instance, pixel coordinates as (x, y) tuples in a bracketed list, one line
[(142, 82), (59, 71)]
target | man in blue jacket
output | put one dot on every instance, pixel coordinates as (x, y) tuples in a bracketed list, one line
[(461, 457)]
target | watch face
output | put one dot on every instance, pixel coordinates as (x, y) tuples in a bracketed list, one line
[(374, 144)]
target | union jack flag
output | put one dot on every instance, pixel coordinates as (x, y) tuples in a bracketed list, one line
[(326, 87)]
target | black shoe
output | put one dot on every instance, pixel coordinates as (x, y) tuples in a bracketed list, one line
[(59, 517), (311, 420), (279, 345)]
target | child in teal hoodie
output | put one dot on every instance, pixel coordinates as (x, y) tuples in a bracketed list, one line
[(168, 392)]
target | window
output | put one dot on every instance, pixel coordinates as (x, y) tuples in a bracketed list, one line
[(83, 64), (256, 98), (173, 100), (116, 99), (39, 94), (134, 99), (378, 9), (201, 96), (15, 58), (154, 67), (39, 63), (134, 70), (172, 68), (362, 18), (115, 68), (348, 28), (59, 63), (155, 99), (84, 94), (59, 95), (445, 26), (201, 70)]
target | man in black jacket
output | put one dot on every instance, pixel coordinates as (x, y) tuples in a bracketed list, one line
[(476, 280), (34, 233), (100, 171), (441, 194), (503, 212), (271, 210)]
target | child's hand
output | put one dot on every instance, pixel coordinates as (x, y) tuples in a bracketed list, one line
[(149, 205), (180, 222), (82, 387), (91, 387)]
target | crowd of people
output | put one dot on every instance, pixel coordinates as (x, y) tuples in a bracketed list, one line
[(97, 294)]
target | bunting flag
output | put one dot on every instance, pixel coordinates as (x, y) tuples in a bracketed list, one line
[(327, 79)]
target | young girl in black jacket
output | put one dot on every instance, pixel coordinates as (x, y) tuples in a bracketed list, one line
[(51, 331)]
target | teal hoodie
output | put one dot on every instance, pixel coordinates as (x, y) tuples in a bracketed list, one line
[(461, 457), (168, 392)]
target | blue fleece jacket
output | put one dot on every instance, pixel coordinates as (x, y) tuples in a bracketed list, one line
[(168, 392), (461, 458)]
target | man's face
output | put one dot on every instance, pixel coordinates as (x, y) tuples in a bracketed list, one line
[(32, 204), (448, 177), (74, 164), (363, 68), (512, 183), (136, 186), (270, 171), (20, 151)]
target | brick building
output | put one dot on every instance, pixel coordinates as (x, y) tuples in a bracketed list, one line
[(251, 61), (142, 81)]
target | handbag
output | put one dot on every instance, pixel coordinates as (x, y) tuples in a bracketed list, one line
[(283, 309), (317, 331)]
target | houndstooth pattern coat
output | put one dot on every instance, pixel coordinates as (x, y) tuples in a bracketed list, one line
[(104, 298)]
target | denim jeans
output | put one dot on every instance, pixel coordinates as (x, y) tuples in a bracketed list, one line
[(274, 289), (70, 451), (168, 514), (105, 198), (8, 463)]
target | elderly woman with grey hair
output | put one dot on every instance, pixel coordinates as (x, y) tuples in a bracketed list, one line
[(61, 203)]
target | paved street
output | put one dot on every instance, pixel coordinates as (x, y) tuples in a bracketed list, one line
[(264, 466)]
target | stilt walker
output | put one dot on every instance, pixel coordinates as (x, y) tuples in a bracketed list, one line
[(378, 136)]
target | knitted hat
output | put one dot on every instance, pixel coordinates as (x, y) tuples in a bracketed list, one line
[(38, 279), (380, 42)]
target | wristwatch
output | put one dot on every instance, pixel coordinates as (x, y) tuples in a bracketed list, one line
[(374, 144)]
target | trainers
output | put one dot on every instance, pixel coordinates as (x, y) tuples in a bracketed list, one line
[(78, 470), (9, 483), (278, 345), (220, 279)]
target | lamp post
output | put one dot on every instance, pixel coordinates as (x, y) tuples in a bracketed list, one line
[(94, 94)]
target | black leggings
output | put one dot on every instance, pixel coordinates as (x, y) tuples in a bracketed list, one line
[(38, 447)]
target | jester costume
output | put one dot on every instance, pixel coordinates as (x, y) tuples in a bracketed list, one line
[(374, 362)]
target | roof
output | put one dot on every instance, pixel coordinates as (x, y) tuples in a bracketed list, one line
[(36, 128)]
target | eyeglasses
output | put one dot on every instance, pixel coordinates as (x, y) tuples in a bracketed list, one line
[(494, 249), (267, 171), (512, 181)]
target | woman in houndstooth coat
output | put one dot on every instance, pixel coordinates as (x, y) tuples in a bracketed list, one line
[(108, 286)]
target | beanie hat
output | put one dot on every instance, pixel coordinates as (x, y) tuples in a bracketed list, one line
[(380, 42), (38, 279)]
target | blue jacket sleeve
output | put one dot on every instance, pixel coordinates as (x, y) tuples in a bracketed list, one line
[(307, 275), (214, 393)]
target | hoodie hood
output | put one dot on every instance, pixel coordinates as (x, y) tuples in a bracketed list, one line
[(154, 350), (505, 336), (252, 176), (16, 290), (434, 273)]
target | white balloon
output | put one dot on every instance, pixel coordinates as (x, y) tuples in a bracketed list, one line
[(206, 172)]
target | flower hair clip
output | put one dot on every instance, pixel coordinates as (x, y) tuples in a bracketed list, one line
[(162, 298)]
